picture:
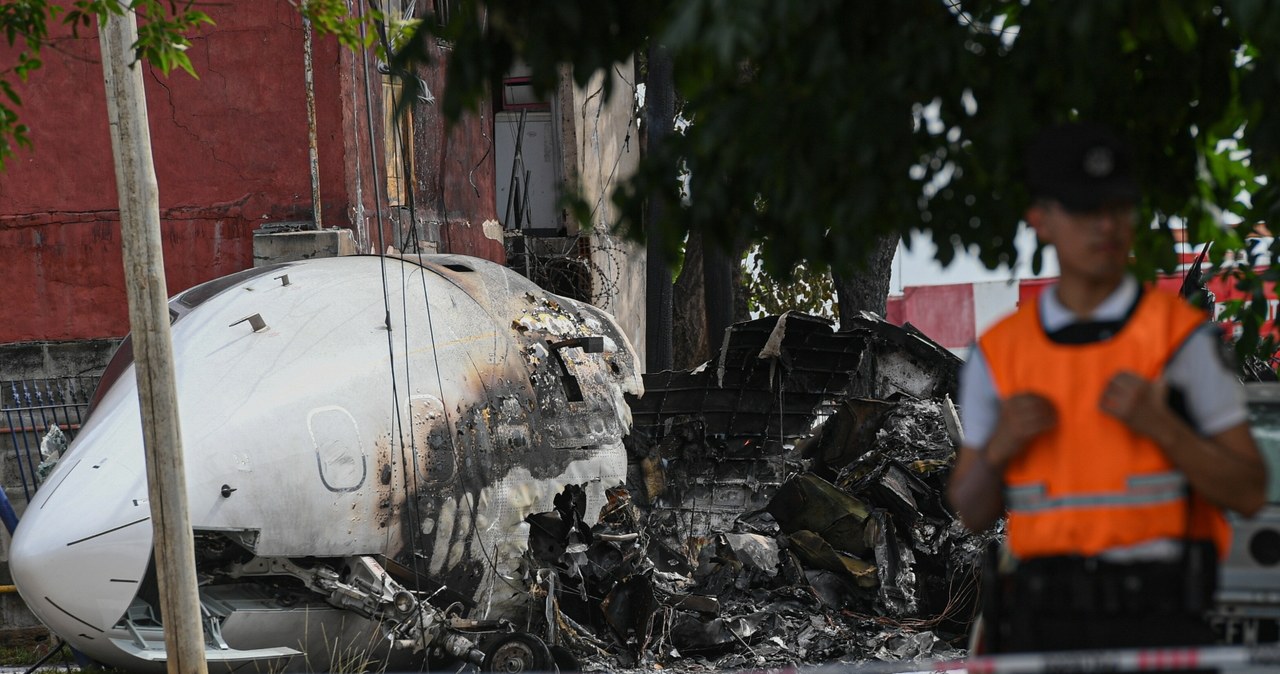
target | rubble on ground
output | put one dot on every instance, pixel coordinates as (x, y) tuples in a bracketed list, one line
[(784, 506)]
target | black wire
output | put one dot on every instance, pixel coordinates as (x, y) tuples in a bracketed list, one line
[(57, 648), (626, 141), (410, 487), (373, 163), (386, 45), (409, 240), (411, 494), (413, 236), (415, 513), (378, 190)]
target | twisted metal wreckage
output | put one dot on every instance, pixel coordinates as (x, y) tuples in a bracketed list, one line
[(392, 458), (783, 506)]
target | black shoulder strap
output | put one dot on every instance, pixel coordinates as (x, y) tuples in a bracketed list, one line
[(1088, 332)]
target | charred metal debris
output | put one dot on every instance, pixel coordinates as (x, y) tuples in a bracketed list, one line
[(783, 506)]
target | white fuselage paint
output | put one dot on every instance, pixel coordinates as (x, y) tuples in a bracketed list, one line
[(319, 421)]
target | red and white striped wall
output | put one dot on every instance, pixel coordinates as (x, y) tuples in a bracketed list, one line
[(953, 315)]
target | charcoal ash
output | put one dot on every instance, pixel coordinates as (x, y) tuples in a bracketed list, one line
[(784, 506)]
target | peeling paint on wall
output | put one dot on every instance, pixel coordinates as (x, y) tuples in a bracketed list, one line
[(492, 230)]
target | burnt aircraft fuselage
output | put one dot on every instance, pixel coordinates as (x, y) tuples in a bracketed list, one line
[(338, 416)]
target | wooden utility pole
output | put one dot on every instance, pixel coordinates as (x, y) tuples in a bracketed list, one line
[(152, 343)]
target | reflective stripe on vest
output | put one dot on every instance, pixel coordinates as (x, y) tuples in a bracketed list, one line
[(1140, 490)]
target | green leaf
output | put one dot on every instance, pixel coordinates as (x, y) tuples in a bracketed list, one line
[(1177, 26), (9, 93)]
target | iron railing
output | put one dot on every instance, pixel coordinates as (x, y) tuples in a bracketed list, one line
[(29, 408)]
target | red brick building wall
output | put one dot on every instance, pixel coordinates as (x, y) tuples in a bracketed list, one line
[(231, 153)]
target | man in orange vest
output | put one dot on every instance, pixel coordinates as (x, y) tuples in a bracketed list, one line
[(1104, 419)]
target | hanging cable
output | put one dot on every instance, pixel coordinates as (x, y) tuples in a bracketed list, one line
[(411, 478), (378, 189), (472, 502), (416, 514), (411, 237), (626, 142)]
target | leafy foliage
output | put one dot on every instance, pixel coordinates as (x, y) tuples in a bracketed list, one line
[(805, 289), (332, 17), (822, 124), (23, 22), (488, 37)]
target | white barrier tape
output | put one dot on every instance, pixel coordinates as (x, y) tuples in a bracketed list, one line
[(1072, 662)]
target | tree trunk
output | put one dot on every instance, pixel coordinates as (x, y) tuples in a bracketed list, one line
[(659, 116), (690, 346), (697, 334), (718, 281), (868, 288)]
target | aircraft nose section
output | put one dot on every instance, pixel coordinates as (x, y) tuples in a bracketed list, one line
[(81, 548)]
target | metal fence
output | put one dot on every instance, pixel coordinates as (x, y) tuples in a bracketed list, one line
[(29, 408)]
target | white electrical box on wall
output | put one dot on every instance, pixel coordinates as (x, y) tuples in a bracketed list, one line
[(527, 180)]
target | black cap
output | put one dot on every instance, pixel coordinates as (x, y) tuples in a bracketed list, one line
[(1081, 166)]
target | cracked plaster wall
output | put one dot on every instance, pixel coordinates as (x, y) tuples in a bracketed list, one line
[(606, 152)]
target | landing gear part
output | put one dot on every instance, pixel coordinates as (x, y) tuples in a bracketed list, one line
[(517, 652)]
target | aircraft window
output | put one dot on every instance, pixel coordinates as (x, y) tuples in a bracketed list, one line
[(203, 292), (458, 267)]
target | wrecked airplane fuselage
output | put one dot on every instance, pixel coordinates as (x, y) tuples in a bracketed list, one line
[(360, 434)]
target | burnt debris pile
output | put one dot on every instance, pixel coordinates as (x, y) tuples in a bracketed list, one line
[(784, 505)]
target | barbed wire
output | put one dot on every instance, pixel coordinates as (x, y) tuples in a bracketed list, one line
[(587, 267)]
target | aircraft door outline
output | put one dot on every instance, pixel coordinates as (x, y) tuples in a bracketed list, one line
[(432, 436)]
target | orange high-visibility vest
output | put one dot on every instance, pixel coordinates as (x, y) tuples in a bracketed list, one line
[(1090, 484)]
